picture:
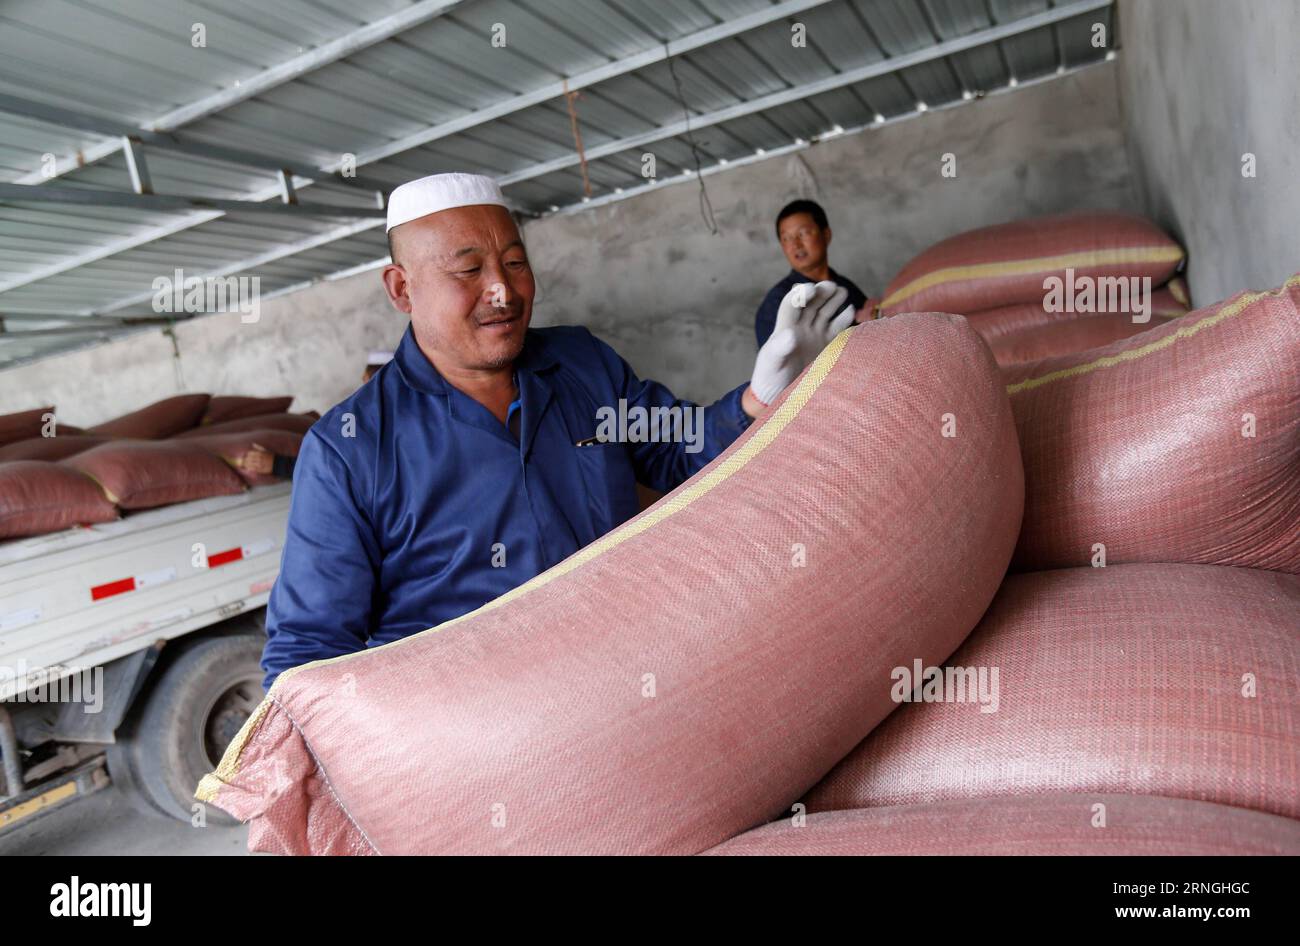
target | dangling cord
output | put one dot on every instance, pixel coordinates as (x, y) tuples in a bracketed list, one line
[(569, 98), (177, 370), (706, 206)]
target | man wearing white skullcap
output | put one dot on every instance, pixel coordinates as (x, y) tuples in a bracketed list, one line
[(483, 453)]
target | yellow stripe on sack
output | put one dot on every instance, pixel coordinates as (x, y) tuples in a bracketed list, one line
[(1178, 289), (228, 767), (674, 503), (1117, 257), (1184, 331)]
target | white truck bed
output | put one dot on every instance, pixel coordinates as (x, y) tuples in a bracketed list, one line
[(79, 598)]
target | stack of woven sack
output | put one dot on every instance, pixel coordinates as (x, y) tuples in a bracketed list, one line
[(1147, 645), (1048, 286), (699, 671), (54, 476)]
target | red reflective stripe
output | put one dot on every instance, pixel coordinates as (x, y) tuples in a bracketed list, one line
[(112, 588), (221, 558)]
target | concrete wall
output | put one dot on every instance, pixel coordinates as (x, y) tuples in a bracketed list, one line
[(645, 274), (1202, 83)]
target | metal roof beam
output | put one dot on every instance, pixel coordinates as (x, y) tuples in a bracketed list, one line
[(270, 256), (619, 67), (74, 318), (580, 206), (345, 45), (786, 96), (629, 64), (125, 244), (121, 132), (362, 38), (6, 335), (136, 166), (29, 193)]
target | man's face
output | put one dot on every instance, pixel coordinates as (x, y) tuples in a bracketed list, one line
[(463, 277), (803, 242)]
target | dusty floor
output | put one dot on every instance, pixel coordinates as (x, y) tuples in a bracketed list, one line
[(105, 823)]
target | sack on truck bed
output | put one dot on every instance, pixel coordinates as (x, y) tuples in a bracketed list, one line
[(159, 420), (1008, 263), (690, 674), (1181, 444), (23, 425), (50, 448), (1070, 825), (141, 474), (38, 497), (224, 407), (1175, 680), (234, 448), (297, 423)]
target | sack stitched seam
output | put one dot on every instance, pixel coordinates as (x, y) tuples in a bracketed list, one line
[(320, 767)]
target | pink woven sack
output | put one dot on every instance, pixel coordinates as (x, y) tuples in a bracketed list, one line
[(226, 407), (1066, 338), (690, 674), (50, 448), (38, 497), (295, 423), (1181, 444), (1008, 263), (1010, 320), (142, 474), (1070, 825), (158, 421), (23, 425), (1176, 680)]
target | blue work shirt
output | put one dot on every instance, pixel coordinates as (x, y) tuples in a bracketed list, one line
[(413, 504), (765, 318)]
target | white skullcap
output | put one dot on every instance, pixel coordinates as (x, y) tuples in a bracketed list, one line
[(428, 195)]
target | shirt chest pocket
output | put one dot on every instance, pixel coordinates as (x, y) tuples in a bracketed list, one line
[(610, 482)]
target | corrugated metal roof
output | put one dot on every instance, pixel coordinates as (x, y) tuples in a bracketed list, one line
[(411, 88)]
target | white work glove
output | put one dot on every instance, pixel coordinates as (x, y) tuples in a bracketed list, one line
[(809, 317)]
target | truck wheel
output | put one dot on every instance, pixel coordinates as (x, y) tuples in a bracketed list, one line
[(193, 712)]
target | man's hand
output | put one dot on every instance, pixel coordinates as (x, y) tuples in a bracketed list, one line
[(257, 460), (809, 317)]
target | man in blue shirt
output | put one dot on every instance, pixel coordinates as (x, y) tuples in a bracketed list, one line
[(483, 453), (805, 237)]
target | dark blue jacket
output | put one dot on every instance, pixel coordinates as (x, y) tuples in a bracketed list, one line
[(412, 504), (765, 318)]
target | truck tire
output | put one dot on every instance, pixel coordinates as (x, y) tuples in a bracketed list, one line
[(194, 709)]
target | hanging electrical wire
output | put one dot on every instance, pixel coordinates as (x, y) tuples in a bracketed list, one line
[(706, 206), (569, 99)]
